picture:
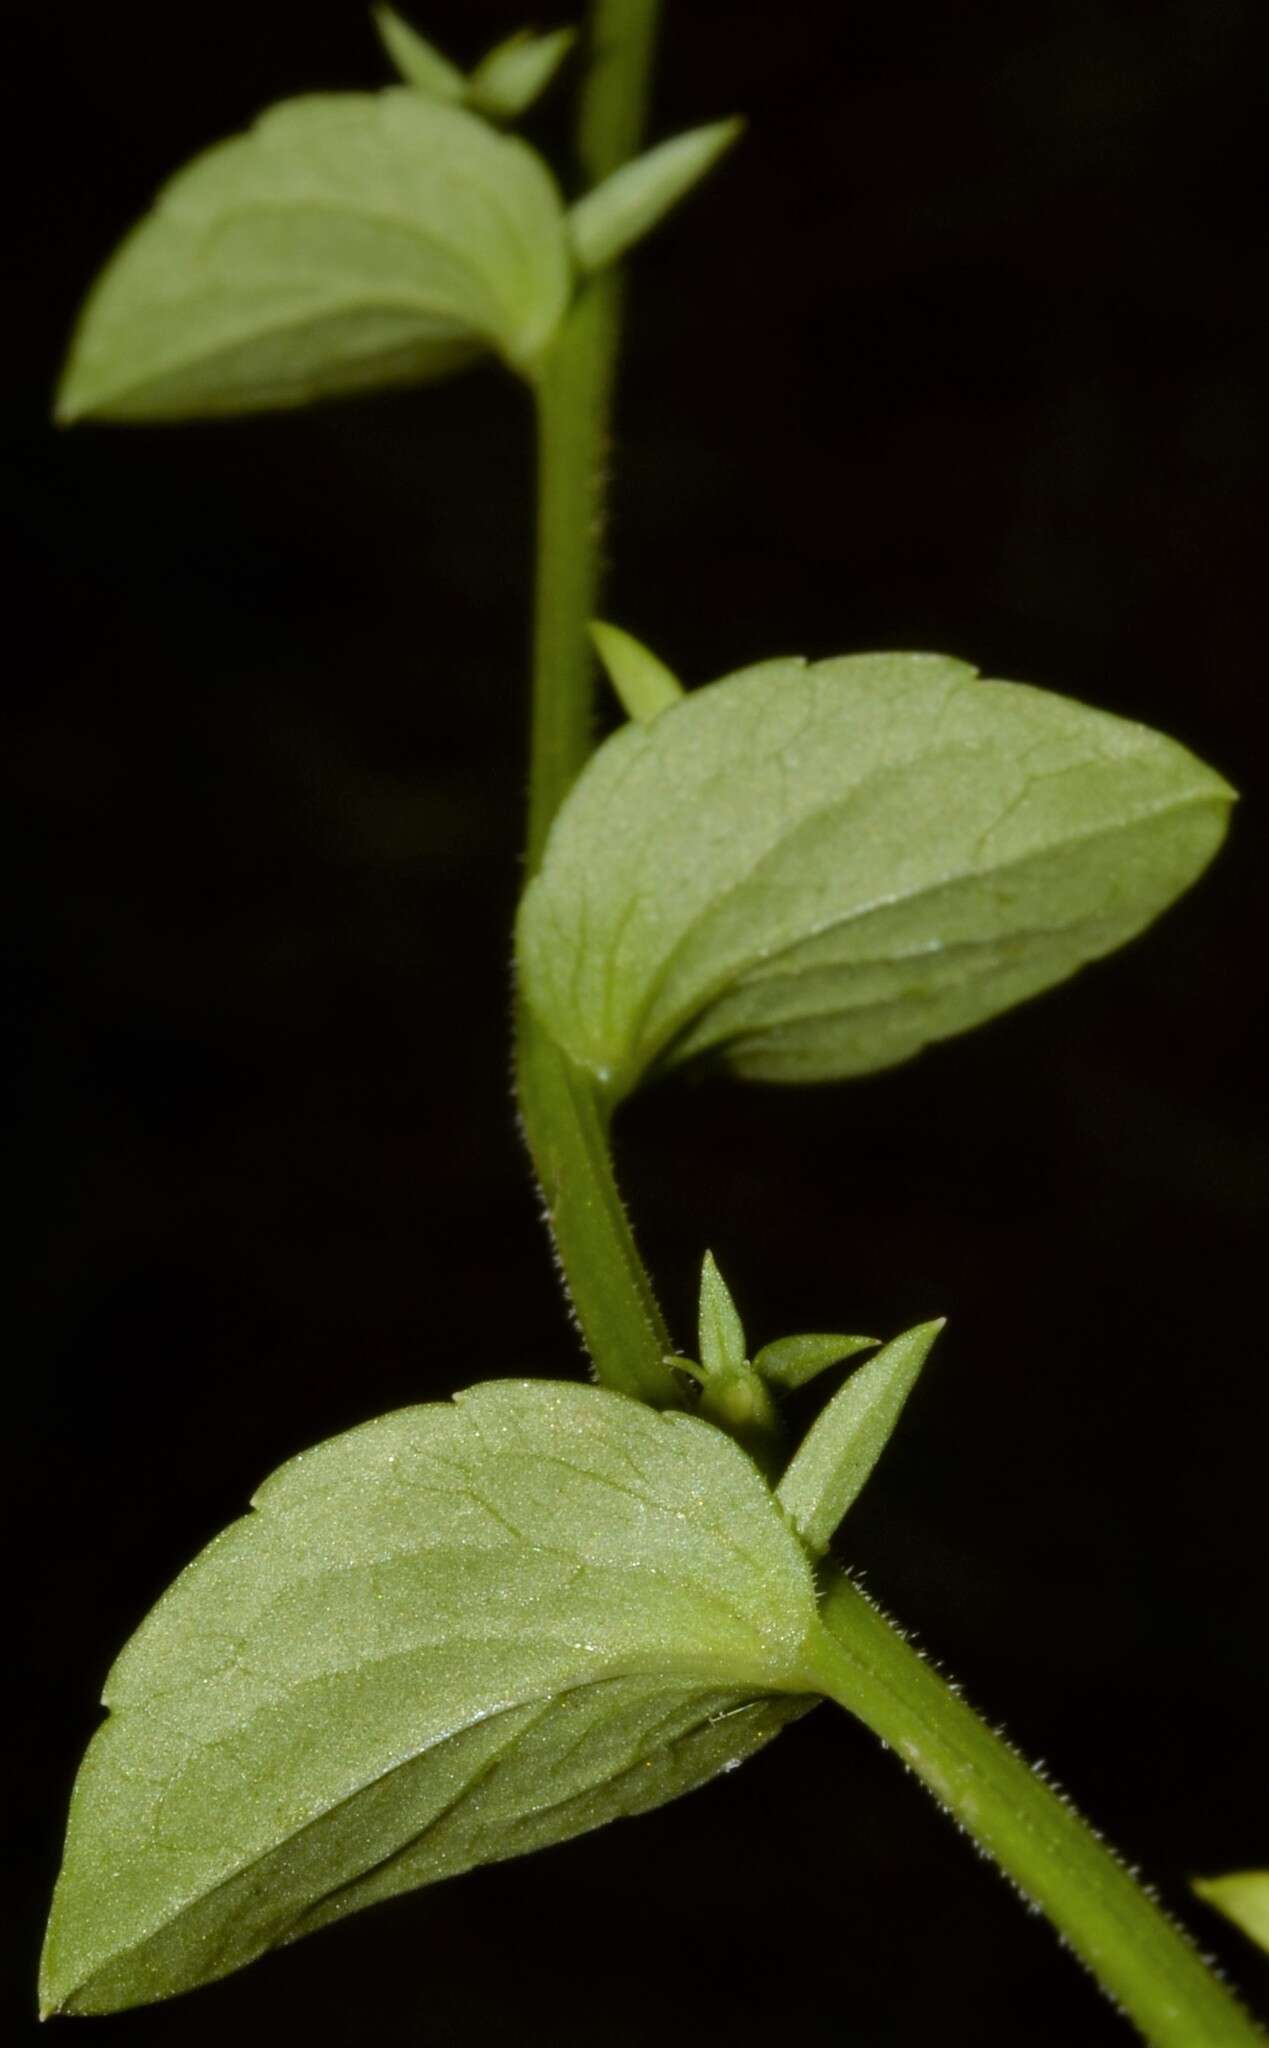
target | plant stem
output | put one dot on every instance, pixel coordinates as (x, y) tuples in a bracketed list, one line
[(1145, 1962), (614, 104), (573, 393), (574, 401), (567, 1131), (564, 1121)]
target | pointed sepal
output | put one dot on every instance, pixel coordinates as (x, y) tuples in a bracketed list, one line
[(503, 85), (418, 62), (1243, 1897), (720, 1332), (791, 1361), (834, 1461), (506, 83), (642, 681), (623, 209), (732, 1395)]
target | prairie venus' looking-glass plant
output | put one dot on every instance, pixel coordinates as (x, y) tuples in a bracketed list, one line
[(470, 1629)]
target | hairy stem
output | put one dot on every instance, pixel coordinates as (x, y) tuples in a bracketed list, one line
[(1137, 1954), (567, 1132), (564, 1122), (574, 404), (614, 103)]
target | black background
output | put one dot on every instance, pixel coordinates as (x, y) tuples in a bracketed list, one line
[(963, 350)]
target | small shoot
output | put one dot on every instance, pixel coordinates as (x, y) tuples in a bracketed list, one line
[(1243, 1897), (621, 210), (793, 1361), (642, 681), (831, 1466), (730, 1390), (419, 63), (506, 83)]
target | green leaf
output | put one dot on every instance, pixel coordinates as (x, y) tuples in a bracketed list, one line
[(793, 1361), (348, 241), (419, 63), (812, 872), (506, 82), (642, 681), (626, 205), (833, 1463), (461, 1632), (1243, 1897), (720, 1333)]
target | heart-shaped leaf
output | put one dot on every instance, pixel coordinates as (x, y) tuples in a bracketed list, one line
[(458, 1633), (348, 241), (813, 871)]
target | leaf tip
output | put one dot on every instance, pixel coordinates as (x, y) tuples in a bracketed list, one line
[(725, 134), (68, 404), (720, 1333), (51, 2000), (920, 1339), (710, 1275)]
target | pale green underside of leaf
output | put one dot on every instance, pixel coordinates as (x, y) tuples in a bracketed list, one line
[(347, 241), (458, 1633), (813, 871)]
